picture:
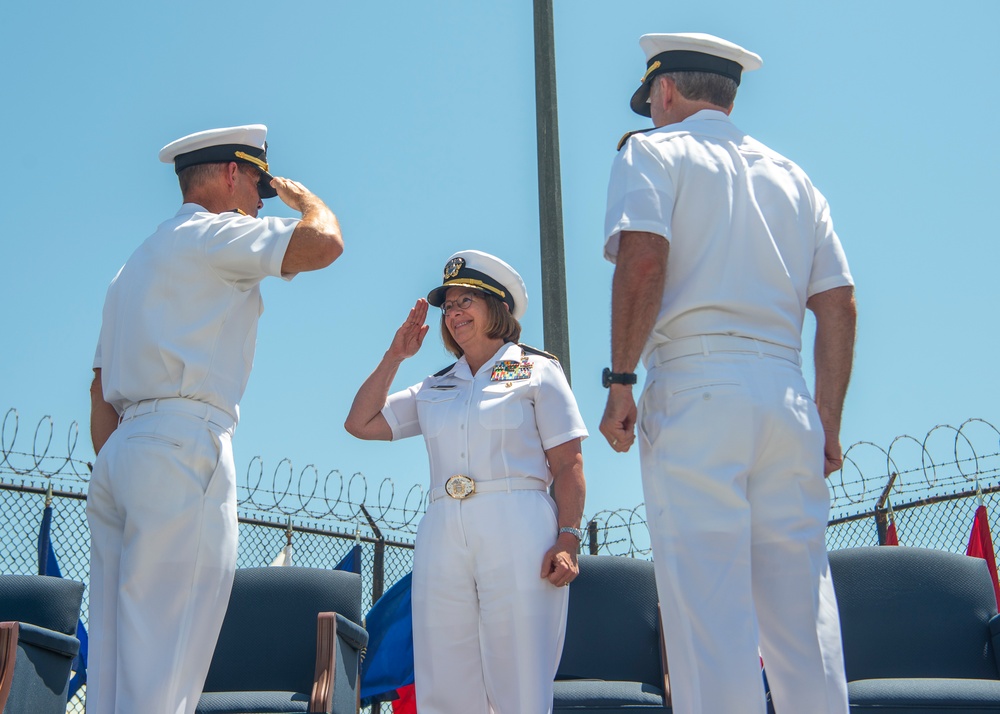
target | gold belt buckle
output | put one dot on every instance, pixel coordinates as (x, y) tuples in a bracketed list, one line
[(459, 486)]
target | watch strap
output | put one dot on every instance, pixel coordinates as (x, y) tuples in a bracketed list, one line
[(573, 531), (608, 377)]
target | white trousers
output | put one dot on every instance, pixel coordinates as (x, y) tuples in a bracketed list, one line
[(731, 447), (163, 525), (487, 628)]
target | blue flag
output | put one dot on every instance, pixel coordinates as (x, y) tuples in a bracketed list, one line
[(389, 663), (352, 561), (48, 565)]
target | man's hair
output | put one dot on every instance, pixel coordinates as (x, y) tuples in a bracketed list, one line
[(500, 324), (704, 87), (195, 176)]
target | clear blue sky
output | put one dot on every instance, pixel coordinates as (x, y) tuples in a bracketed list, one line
[(415, 122)]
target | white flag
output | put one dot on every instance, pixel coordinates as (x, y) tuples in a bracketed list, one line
[(284, 557)]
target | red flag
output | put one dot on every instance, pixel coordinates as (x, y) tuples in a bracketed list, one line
[(407, 702), (981, 546), (890, 534)]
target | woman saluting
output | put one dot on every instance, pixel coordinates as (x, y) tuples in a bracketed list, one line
[(493, 551)]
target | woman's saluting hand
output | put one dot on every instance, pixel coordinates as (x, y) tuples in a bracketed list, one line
[(411, 333), (365, 419)]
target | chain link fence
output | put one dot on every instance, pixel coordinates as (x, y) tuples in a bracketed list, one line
[(928, 488)]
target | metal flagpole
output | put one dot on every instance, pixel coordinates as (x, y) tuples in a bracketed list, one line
[(555, 318)]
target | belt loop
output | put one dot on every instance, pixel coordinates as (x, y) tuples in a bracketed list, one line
[(508, 484), (704, 344), (756, 346)]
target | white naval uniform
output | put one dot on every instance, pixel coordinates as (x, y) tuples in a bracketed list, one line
[(487, 629), (730, 440), (176, 347)]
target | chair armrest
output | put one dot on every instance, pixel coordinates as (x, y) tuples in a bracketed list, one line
[(35, 665), (351, 633), (56, 642), (995, 638), (335, 685)]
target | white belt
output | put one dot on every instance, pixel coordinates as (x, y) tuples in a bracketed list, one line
[(706, 344), (179, 405), (499, 485)]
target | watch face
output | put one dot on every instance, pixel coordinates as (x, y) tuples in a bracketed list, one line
[(606, 377)]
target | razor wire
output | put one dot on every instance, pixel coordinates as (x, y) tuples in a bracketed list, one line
[(947, 461)]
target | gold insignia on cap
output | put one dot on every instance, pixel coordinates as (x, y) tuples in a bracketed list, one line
[(453, 267), (472, 282), (262, 165), (652, 68)]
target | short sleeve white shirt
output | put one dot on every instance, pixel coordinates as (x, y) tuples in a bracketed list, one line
[(751, 238), (491, 425), (180, 318)]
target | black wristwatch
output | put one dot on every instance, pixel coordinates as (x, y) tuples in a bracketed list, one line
[(608, 377)]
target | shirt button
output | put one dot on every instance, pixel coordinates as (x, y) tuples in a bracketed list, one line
[(462, 455)]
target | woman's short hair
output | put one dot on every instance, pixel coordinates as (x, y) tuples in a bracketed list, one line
[(500, 324)]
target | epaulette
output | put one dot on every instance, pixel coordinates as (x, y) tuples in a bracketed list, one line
[(240, 211), (536, 351), (621, 142), (445, 371)]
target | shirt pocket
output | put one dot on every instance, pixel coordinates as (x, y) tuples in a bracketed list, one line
[(502, 407), (433, 409)]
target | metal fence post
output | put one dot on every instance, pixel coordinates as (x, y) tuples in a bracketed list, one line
[(378, 564), (881, 525), (378, 576), (881, 517), (592, 537)]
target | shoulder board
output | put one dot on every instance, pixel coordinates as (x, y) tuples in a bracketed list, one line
[(536, 351), (444, 371), (240, 211), (628, 134)]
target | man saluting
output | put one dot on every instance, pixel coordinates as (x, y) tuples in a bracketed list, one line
[(175, 351)]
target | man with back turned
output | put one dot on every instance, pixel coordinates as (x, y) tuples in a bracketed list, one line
[(720, 246), (175, 351)]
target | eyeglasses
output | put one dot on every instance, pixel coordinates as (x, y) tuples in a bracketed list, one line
[(461, 303), (253, 174)]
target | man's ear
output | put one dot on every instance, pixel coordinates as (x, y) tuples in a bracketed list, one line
[(231, 170), (662, 91), (667, 89)]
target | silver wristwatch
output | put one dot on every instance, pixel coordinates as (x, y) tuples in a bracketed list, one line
[(574, 531)]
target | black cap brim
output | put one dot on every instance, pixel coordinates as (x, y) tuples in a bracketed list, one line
[(264, 188), (640, 100), (681, 61)]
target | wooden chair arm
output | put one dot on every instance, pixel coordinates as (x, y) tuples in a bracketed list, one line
[(335, 632), (326, 662), (667, 700), (8, 654)]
